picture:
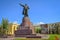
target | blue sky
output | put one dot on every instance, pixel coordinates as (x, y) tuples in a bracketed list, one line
[(47, 11)]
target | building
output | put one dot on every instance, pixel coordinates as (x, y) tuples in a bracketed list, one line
[(12, 27), (44, 28)]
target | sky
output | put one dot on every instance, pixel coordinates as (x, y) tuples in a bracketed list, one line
[(47, 11)]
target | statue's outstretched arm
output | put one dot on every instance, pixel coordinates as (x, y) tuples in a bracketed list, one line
[(21, 4)]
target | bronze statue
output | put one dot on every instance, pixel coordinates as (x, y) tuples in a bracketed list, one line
[(25, 9)]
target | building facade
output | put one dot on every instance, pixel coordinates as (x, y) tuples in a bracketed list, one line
[(12, 27)]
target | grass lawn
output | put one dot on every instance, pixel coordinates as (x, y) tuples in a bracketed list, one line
[(52, 37)]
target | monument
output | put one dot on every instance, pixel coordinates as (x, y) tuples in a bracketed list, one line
[(26, 27)]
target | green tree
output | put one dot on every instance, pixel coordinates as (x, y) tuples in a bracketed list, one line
[(37, 29), (0, 28), (4, 25)]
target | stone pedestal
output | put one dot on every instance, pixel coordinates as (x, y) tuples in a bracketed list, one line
[(26, 28), (26, 24)]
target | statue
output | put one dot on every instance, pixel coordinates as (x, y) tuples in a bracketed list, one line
[(25, 9)]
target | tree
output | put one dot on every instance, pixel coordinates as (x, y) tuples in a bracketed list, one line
[(4, 25), (0, 28), (37, 29)]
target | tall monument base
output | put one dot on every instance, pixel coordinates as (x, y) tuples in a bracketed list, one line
[(26, 28)]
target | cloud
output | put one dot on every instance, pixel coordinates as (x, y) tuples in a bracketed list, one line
[(39, 23), (15, 22)]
